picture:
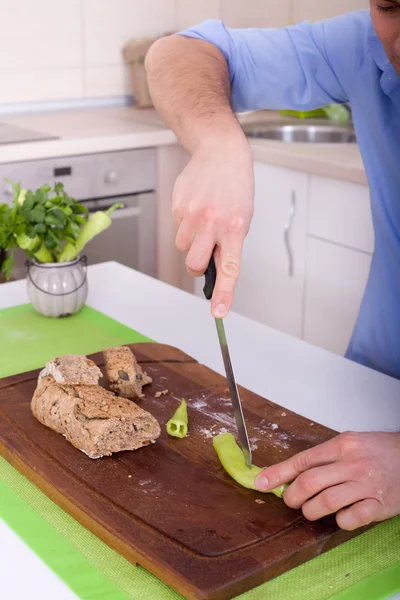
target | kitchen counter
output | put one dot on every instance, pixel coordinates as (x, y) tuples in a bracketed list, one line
[(308, 380), (104, 130)]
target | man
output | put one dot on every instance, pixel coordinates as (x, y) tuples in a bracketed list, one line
[(198, 79)]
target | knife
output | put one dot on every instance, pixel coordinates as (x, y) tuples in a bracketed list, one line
[(208, 290)]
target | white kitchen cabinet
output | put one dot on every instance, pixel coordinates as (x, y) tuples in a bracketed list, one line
[(340, 246), (335, 282), (340, 211), (271, 284), (316, 294)]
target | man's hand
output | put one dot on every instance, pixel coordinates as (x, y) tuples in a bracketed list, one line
[(355, 475), (213, 206)]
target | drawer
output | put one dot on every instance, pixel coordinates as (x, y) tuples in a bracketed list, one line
[(341, 212)]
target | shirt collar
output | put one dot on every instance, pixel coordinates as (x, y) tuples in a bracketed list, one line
[(389, 78)]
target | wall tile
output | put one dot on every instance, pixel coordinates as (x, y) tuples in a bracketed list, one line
[(256, 13), (40, 85), (316, 10), (109, 24), (192, 12), (112, 80), (40, 34)]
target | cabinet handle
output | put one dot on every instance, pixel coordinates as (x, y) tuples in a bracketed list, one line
[(286, 232)]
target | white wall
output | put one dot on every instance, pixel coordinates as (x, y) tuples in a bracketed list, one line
[(71, 49)]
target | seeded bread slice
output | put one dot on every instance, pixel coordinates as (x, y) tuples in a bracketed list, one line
[(125, 375), (93, 419), (72, 369)]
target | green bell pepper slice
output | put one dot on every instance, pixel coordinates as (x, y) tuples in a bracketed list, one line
[(177, 426), (233, 461)]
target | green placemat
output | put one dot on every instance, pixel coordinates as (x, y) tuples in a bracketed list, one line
[(366, 568), (28, 340)]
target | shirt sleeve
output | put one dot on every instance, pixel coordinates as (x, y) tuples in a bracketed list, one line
[(290, 68)]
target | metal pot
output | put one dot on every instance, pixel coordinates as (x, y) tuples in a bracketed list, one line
[(57, 289)]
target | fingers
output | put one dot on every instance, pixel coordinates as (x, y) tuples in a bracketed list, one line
[(333, 499), (312, 482), (200, 246), (228, 260), (185, 235), (290, 469), (359, 515), (200, 253)]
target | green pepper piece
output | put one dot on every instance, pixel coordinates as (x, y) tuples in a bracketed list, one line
[(27, 243), (233, 461), (44, 255), (97, 223), (177, 426)]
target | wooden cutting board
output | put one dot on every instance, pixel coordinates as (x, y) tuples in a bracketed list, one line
[(171, 507)]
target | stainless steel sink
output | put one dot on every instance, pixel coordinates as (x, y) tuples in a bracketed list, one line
[(310, 132)]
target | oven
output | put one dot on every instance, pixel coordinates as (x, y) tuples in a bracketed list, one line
[(99, 181)]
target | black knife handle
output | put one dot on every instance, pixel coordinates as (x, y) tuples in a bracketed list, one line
[(211, 277)]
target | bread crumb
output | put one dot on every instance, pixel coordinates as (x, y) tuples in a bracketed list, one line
[(159, 394), (274, 426), (312, 424), (260, 501), (129, 476), (283, 414)]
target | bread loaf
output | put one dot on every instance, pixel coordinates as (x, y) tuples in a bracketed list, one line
[(93, 419), (72, 369), (125, 375), (69, 400)]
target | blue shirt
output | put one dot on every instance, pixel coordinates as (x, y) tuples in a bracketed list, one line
[(307, 66)]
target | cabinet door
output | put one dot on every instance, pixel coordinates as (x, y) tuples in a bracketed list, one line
[(271, 283), (335, 283)]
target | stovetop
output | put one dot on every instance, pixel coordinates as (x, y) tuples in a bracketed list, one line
[(10, 134)]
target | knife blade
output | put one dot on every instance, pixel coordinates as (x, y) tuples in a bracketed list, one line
[(210, 279)]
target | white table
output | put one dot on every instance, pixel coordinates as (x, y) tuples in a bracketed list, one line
[(312, 382)]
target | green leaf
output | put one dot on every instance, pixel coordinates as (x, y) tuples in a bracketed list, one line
[(59, 188), (29, 202), (80, 208), (7, 266), (73, 230), (42, 194), (49, 241), (40, 228), (20, 228), (56, 218), (31, 230), (68, 201), (36, 215), (56, 201), (16, 187)]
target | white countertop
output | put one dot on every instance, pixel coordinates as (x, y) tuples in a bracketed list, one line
[(108, 129), (83, 132), (319, 385)]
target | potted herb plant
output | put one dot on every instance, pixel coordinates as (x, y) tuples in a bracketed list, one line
[(52, 229)]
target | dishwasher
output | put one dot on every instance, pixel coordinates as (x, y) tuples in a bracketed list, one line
[(99, 181)]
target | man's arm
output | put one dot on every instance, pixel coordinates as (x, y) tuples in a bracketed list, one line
[(190, 87), (213, 197)]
